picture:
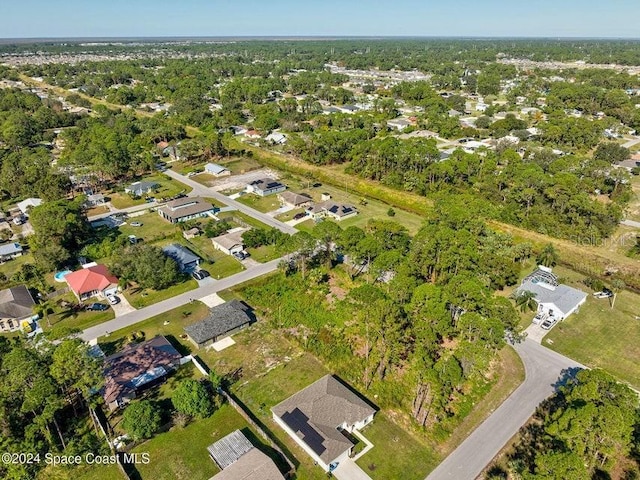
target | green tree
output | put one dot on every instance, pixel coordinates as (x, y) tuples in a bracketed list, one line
[(526, 300), (192, 398), (141, 419), (547, 256), (148, 266)]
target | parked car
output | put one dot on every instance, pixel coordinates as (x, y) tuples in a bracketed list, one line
[(300, 215), (200, 274), (98, 307), (113, 300), (136, 224), (240, 255), (548, 323), (539, 318)]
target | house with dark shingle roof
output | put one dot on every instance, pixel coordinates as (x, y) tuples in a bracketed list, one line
[(16, 304), (240, 460), (187, 260), (223, 320), (316, 416), (331, 209), (137, 368)]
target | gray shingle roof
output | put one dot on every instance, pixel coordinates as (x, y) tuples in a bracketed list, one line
[(564, 297), (214, 168), (184, 207), (316, 412), (222, 319), (16, 302)]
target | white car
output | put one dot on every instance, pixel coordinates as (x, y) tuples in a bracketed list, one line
[(113, 299)]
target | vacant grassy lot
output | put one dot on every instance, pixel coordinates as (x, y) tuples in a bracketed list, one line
[(262, 204), (263, 254), (601, 337)]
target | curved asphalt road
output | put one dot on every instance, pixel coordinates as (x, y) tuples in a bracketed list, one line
[(544, 369)]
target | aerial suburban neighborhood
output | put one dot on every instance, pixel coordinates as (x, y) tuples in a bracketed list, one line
[(368, 256)]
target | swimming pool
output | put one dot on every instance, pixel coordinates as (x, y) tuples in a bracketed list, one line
[(59, 276)]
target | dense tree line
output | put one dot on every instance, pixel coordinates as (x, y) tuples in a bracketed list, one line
[(420, 326)]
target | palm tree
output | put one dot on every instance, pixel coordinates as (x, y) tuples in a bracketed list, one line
[(526, 300), (548, 256), (43, 309)]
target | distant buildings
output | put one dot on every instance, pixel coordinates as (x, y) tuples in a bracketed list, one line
[(138, 189), (216, 170), (265, 186)]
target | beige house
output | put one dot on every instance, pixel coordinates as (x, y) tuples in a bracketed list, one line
[(231, 242), (295, 200)]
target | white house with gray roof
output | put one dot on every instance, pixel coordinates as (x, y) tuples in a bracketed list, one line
[(316, 416), (185, 258), (556, 300), (216, 170)]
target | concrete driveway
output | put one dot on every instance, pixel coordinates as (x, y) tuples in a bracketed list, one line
[(349, 470), (123, 307), (536, 333)]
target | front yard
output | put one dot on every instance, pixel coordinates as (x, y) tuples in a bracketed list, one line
[(603, 337), (262, 204), (167, 188)]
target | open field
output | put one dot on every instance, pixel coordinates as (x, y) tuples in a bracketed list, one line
[(153, 227)]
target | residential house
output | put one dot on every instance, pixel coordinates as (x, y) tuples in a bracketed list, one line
[(265, 186), (28, 204), (398, 123), (276, 138), (316, 416), (216, 170), (137, 368), (92, 280), (187, 208), (185, 258), (337, 211), (238, 459), (9, 251), (631, 163), (223, 320), (138, 189), (295, 200), (454, 113), (481, 107), (238, 130), (556, 300), (94, 200), (347, 108), (16, 305), (253, 134), (230, 242), (191, 233)]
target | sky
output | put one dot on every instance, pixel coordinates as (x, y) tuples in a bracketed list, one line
[(196, 18)]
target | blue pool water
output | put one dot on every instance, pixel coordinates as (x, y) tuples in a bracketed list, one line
[(59, 276)]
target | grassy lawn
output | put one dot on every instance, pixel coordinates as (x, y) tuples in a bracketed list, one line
[(140, 298), (102, 472), (239, 164), (286, 216), (396, 453), (176, 319), (262, 204), (240, 219), (167, 188), (263, 254), (218, 264), (10, 267), (153, 227), (64, 317), (601, 337)]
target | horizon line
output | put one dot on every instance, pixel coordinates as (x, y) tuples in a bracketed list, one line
[(309, 37)]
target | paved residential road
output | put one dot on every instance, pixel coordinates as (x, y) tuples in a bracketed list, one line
[(201, 190), (543, 369), (179, 300), (630, 223)]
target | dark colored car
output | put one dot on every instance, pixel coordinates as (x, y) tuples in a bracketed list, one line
[(300, 215), (240, 255), (200, 274), (98, 307)]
